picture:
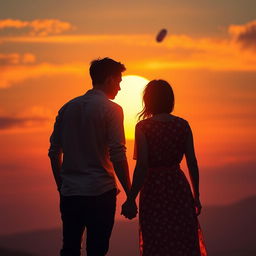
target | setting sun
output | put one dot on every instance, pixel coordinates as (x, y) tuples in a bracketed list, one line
[(130, 99)]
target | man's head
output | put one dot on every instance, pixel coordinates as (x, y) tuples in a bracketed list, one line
[(106, 75)]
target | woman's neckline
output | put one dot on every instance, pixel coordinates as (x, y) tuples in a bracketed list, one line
[(162, 118)]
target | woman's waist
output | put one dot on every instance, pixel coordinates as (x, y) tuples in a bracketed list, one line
[(165, 167)]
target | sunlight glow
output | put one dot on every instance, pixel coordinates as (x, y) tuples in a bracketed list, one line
[(130, 99)]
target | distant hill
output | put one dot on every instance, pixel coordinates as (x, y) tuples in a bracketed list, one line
[(38, 243), (7, 252), (231, 229), (124, 241), (228, 230)]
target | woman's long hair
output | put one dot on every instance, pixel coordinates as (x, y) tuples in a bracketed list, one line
[(158, 98)]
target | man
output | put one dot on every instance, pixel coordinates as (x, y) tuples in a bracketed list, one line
[(89, 136)]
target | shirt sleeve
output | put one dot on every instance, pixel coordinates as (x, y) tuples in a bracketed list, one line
[(115, 134), (55, 138)]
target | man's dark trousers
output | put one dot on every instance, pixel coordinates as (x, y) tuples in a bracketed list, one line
[(96, 214)]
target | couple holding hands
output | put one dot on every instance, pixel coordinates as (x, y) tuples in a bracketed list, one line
[(87, 150)]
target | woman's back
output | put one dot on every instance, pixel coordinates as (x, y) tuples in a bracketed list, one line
[(168, 211), (166, 140)]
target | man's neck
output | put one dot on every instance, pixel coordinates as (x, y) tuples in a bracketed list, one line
[(100, 87)]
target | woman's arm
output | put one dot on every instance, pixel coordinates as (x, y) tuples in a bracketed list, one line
[(129, 208), (141, 164), (193, 168)]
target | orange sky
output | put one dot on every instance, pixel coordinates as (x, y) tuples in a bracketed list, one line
[(211, 63)]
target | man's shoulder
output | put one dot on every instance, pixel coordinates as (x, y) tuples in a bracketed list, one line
[(108, 104), (75, 100), (95, 101), (114, 106), (112, 110), (70, 102)]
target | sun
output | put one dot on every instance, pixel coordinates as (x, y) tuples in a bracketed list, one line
[(130, 99)]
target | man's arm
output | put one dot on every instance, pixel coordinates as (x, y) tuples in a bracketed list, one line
[(117, 149), (56, 162), (122, 172), (129, 208)]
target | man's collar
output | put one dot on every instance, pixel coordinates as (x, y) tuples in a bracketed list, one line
[(97, 92)]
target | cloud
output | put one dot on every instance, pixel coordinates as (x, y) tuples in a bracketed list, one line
[(11, 75), (16, 58), (28, 58), (34, 117), (11, 58), (135, 39), (7, 122), (141, 53), (41, 27), (244, 34), (36, 112)]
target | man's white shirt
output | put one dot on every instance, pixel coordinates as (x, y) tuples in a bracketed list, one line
[(89, 131)]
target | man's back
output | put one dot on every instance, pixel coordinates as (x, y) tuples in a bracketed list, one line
[(87, 147), (89, 130)]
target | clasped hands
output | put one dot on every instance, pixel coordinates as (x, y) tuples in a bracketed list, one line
[(129, 209)]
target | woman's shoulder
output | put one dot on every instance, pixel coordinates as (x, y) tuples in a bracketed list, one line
[(144, 124), (141, 123), (171, 118), (181, 122), (181, 119)]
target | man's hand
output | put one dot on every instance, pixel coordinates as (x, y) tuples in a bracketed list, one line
[(129, 209), (56, 163)]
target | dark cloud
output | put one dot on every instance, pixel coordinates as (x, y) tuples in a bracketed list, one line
[(248, 38), (9, 59), (7, 122), (245, 34)]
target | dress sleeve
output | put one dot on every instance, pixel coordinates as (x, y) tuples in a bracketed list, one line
[(135, 150), (187, 128)]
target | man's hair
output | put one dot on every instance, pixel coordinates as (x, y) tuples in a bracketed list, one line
[(101, 69)]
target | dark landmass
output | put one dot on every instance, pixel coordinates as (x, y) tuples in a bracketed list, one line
[(8, 252), (228, 231)]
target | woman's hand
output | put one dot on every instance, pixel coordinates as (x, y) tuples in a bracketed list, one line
[(129, 209), (198, 206)]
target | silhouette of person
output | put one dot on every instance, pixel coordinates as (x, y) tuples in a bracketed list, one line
[(89, 136), (167, 209)]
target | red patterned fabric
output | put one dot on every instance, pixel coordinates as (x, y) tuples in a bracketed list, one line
[(167, 216)]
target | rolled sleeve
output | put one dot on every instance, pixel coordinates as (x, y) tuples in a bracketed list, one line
[(55, 138), (115, 133)]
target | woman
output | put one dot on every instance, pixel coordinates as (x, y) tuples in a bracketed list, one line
[(167, 210)]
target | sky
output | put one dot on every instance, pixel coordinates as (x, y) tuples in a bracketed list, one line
[(208, 55)]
